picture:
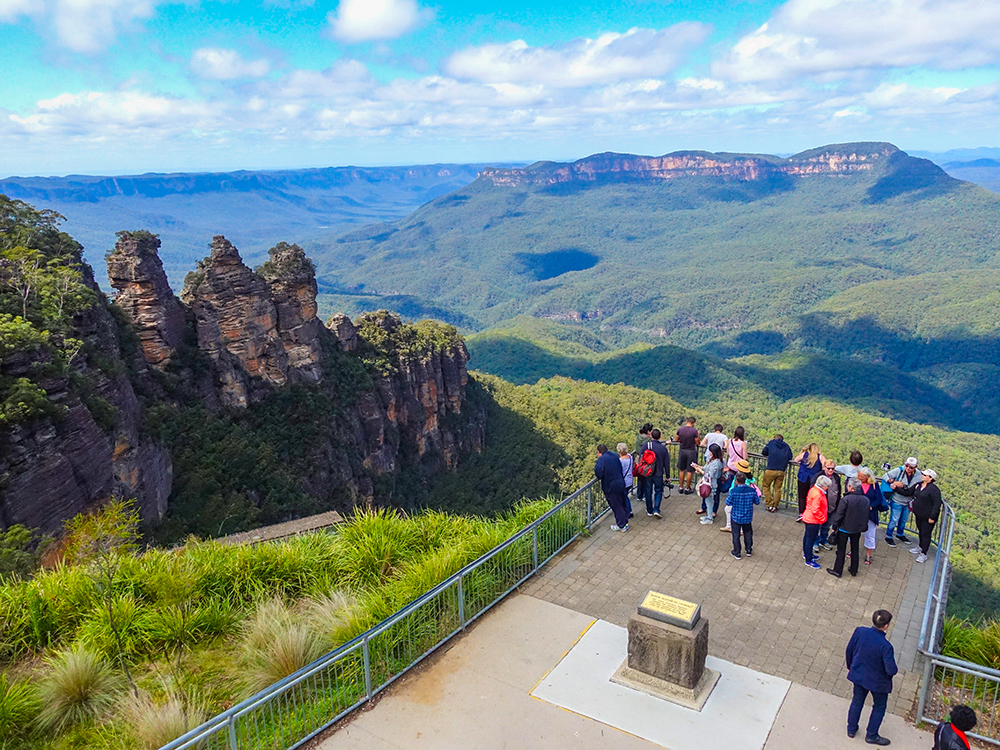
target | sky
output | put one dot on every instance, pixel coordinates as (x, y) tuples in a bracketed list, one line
[(131, 86)]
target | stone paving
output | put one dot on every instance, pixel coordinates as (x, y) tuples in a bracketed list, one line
[(769, 612)]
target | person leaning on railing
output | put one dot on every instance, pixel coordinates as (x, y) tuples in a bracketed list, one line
[(926, 508), (779, 455), (903, 482), (810, 462)]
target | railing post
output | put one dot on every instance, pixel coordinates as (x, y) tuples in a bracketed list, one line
[(925, 688), (461, 601), (534, 547), (233, 744), (590, 495), (368, 667)]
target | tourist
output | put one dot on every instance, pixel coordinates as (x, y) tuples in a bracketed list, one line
[(652, 488), (851, 469), (741, 467), (878, 505), (850, 520), (904, 482), (713, 473), (609, 470), (813, 518), (628, 463), (779, 455), (715, 437), (833, 494), (950, 734), (926, 508), (742, 497), (871, 665), (640, 481), (687, 438), (736, 449), (810, 462)]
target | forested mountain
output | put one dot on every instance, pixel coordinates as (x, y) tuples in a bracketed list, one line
[(254, 209)]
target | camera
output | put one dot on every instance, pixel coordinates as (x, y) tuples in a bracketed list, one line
[(886, 466)]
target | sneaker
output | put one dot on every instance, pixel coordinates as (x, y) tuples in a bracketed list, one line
[(852, 734), (706, 521), (614, 527), (749, 553), (890, 542), (834, 573), (813, 564), (631, 515), (657, 514), (826, 546), (921, 558), (915, 550), (738, 557), (876, 740), (726, 528), (649, 514), (816, 549), (904, 539)]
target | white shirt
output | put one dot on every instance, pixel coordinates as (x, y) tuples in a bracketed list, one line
[(714, 438)]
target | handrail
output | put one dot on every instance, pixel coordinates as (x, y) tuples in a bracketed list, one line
[(221, 731)]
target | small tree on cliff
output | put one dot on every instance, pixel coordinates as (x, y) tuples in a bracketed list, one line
[(103, 540)]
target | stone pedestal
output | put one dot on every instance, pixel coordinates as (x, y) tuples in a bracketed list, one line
[(666, 651), (668, 661)]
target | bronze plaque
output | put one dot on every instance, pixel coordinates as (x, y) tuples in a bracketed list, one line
[(670, 609)]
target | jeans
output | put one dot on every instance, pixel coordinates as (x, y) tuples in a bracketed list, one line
[(824, 532), (617, 502), (772, 484), (879, 701), (924, 530), (653, 493), (899, 514), (838, 566), (809, 540), (747, 529)]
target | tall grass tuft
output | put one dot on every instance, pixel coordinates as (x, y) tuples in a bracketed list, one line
[(276, 645), (154, 723), (79, 685), (19, 706), (335, 617)]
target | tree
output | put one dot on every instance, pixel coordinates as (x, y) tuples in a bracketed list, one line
[(103, 540)]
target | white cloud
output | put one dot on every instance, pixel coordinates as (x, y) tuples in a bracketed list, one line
[(370, 20), (226, 65), (612, 57), (10, 10), (838, 37)]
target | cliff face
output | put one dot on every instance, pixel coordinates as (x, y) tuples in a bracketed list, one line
[(829, 160)]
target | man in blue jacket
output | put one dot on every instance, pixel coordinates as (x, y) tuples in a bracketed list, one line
[(779, 455), (871, 665), (609, 470)]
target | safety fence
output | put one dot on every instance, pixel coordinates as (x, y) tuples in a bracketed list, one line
[(294, 710)]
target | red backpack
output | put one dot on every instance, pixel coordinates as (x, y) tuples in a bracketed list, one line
[(644, 466)]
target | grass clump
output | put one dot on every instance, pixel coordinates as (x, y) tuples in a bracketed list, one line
[(276, 644), (79, 686), (19, 705), (155, 722)]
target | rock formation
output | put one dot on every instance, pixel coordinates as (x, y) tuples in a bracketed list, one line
[(135, 270), (828, 160)]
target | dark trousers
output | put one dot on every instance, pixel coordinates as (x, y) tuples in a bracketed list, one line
[(652, 493), (747, 529), (617, 502), (924, 530), (858, 702), (803, 491), (809, 540), (838, 566)]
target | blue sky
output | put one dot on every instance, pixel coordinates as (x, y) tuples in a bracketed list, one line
[(123, 86)]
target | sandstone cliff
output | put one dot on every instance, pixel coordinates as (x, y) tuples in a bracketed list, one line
[(828, 160)]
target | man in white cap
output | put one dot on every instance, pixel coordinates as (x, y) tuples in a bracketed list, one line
[(904, 482)]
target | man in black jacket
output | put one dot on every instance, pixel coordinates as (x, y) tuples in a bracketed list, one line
[(950, 735), (850, 519), (652, 489), (609, 470)]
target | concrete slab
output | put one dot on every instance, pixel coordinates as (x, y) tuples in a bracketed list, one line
[(737, 716), (811, 718)]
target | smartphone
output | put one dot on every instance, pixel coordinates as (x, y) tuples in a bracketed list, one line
[(886, 466)]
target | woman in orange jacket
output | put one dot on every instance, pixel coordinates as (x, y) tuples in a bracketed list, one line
[(813, 519)]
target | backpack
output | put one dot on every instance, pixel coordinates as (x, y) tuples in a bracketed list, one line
[(644, 466)]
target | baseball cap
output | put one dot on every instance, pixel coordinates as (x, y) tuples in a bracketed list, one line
[(929, 473), (911, 461)]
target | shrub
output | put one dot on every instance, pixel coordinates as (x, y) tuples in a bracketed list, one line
[(18, 707), (335, 618), (154, 723), (275, 645), (79, 685)]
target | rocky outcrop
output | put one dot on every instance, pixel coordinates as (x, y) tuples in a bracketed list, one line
[(237, 325), (135, 270), (828, 160), (347, 335), (291, 278)]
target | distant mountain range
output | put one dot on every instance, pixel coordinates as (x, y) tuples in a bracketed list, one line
[(253, 209)]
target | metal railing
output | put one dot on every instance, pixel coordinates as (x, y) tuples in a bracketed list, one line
[(293, 711)]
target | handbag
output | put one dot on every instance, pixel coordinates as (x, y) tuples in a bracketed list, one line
[(704, 487)]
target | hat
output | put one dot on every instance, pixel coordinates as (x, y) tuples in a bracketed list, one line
[(911, 461), (743, 465), (929, 473)]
